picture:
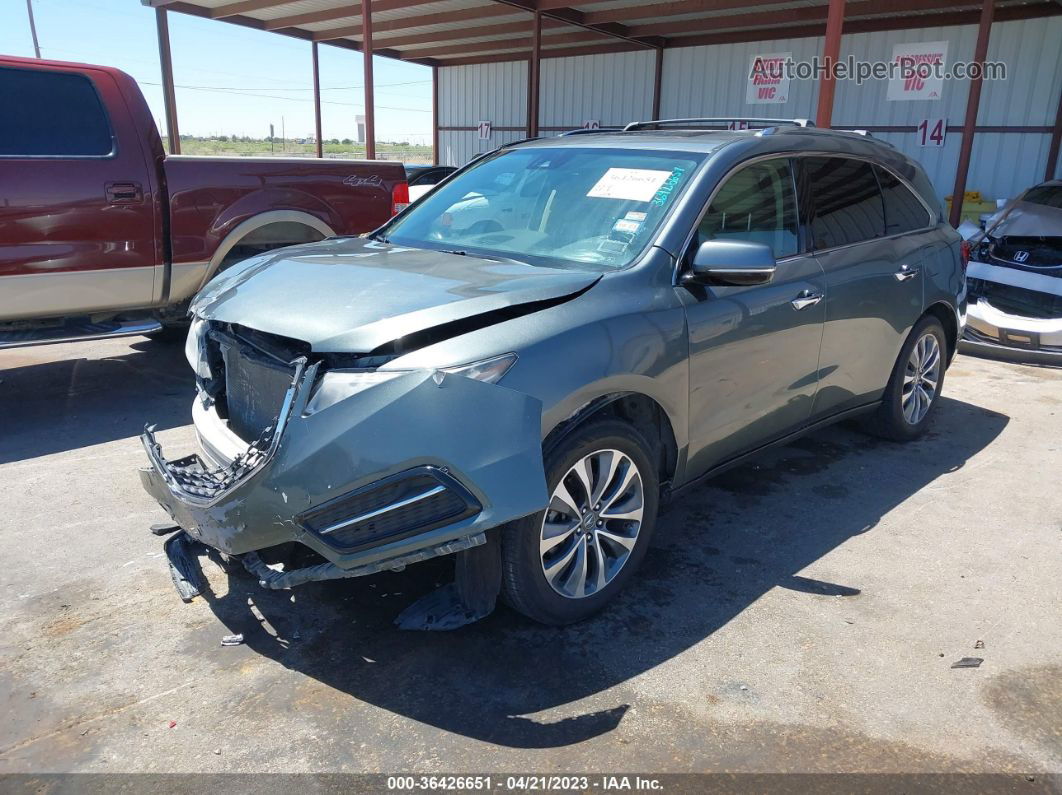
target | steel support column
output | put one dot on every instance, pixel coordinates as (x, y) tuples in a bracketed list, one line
[(435, 115), (831, 53), (1056, 140), (317, 99), (169, 96), (657, 80), (534, 64), (973, 102), (366, 49)]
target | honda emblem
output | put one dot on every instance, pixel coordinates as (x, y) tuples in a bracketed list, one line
[(1021, 256)]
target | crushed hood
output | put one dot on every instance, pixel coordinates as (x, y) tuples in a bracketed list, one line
[(1025, 219), (352, 295)]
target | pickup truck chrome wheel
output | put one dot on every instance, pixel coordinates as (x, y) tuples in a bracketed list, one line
[(921, 377), (592, 523)]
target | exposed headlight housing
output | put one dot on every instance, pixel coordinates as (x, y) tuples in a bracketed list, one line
[(195, 350), (338, 385)]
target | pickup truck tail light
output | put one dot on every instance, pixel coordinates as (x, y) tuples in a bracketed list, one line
[(964, 254), (399, 197)]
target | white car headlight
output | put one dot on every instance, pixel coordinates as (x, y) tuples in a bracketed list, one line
[(337, 385), (488, 370), (195, 350)]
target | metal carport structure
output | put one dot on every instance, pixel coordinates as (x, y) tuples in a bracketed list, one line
[(445, 33)]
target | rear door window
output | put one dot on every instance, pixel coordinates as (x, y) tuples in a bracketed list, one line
[(903, 211), (848, 206), (756, 203), (51, 114)]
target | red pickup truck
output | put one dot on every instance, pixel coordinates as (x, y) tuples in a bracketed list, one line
[(102, 234)]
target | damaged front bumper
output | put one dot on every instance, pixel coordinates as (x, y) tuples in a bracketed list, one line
[(415, 467), (995, 332)]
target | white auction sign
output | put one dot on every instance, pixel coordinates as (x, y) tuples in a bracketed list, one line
[(591, 124), (918, 57), (484, 130), (768, 80)]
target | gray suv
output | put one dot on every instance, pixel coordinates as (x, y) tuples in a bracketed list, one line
[(522, 365)]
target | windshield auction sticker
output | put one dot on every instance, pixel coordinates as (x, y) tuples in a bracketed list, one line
[(633, 184)]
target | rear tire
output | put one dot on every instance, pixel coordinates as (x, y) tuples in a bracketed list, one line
[(914, 388), (600, 528)]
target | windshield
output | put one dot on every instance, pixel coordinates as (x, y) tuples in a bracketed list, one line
[(1048, 195), (566, 207)]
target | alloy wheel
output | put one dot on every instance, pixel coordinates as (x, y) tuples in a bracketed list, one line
[(592, 523), (920, 378)]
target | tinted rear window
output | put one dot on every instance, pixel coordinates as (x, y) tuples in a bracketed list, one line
[(848, 205), (51, 114), (903, 211)]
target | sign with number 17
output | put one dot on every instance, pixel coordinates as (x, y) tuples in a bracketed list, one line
[(931, 132)]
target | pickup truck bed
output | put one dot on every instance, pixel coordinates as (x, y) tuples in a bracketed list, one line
[(98, 226)]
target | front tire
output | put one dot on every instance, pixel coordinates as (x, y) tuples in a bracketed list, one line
[(566, 563), (914, 387)]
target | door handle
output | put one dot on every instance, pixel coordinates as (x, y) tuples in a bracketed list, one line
[(905, 272), (123, 192), (806, 299)]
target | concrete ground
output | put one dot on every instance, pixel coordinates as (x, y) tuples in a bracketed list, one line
[(798, 614)]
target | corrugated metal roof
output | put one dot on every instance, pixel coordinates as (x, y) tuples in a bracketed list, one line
[(619, 24)]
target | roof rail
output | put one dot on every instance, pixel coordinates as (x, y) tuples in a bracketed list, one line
[(586, 131), (730, 122)]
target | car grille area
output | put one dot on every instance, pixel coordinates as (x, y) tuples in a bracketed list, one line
[(256, 373), (395, 507), (1016, 300), (1030, 252), (254, 391)]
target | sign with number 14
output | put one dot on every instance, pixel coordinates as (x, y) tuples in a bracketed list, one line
[(931, 132)]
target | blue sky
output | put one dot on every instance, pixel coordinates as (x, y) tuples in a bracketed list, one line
[(236, 80)]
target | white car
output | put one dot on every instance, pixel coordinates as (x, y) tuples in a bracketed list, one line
[(1014, 280)]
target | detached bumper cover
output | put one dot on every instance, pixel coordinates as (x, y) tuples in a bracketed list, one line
[(481, 440)]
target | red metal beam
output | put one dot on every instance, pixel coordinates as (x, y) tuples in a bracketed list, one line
[(501, 30), (493, 45), (577, 18), (973, 103), (831, 54), (560, 52), (944, 19), (317, 99), (342, 11), (1032, 11), (666, 10), (534, 71), (169, 96), (370, 109), (1056, 140), (233, 9), (472, 15), (657, 79), (787, 16)]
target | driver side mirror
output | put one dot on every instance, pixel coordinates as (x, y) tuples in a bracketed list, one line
[(733, 263)]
